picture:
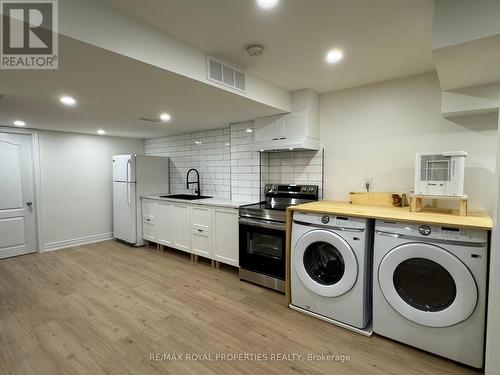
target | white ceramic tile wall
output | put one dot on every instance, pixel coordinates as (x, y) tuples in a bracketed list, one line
[(228, 168), (209, 152), (293, 167), (245, 164)]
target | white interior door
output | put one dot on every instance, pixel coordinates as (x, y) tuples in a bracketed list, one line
[(17, 208)]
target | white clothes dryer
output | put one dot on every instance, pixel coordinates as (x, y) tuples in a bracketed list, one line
[(429, 288)]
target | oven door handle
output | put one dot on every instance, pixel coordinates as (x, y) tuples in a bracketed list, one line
[(263, 224)]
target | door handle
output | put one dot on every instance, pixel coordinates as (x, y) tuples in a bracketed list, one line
[(127, 182), (29, 204)]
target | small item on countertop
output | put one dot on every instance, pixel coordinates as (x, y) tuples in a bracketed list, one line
[(379, 199)]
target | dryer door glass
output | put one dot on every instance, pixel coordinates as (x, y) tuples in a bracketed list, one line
[(427, 284), (324, 263), (424, 284)]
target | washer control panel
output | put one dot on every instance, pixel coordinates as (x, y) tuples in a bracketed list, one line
[(330, 220)]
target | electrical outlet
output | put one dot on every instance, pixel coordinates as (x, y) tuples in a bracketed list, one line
[(367, 182)]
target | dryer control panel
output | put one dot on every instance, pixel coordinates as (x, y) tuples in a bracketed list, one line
[(432, 231)]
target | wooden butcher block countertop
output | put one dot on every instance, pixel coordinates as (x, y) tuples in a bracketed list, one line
[(475, 219)]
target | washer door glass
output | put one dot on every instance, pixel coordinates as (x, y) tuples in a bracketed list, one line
[(427, 285), (324, 263), (424, 284)]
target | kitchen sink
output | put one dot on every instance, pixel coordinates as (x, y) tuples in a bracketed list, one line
[(187, 197)]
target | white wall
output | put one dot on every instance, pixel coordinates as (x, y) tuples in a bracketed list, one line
[(76, 178), (465, 20), (375, 131), (492, 364)]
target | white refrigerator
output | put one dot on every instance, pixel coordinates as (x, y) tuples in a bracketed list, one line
[(133, 177)]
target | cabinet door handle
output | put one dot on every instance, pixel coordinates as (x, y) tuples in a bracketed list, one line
[(148, 219), (283, 138), (276, 139), (200, 230)]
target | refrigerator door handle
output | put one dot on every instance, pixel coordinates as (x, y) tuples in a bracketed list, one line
[(128, 183)]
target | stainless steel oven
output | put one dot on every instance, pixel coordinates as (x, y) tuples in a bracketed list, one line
[(263, 234)]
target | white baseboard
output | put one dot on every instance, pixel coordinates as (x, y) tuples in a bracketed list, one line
[(76, 242)]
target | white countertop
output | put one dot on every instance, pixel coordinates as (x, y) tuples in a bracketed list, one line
[(218, 202)]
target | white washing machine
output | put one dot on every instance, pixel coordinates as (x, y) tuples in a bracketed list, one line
[(331, 269), (429, 288)]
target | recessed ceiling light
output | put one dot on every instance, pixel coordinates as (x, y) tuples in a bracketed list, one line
[(101, 132), (261, 150), (249, 130), (165, 117), (197, 142), (68, 100), (227, 144), (291, 148), (267, 4), (334, 56), (19, 123)]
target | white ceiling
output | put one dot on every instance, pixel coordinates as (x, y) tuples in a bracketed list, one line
[(382, 39), (113, 92)]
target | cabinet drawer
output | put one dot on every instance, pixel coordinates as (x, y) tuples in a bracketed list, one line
[(149, 208), (201, 243), (149, 230), (201, 218)]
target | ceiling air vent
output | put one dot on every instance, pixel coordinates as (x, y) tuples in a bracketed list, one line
[(150, 119), (224, 74)]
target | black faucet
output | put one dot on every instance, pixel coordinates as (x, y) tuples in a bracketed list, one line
[(198, 191)]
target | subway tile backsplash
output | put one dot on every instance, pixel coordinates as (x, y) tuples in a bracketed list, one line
[(208, 151), (293, 167), (228, 168)]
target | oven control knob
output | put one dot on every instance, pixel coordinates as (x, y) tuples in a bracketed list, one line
[(424, 230), (304, 189), (325, 219), (269, 188), (311, 190)]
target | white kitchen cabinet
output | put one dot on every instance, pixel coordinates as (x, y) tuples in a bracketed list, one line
[(166, 223), (225, 234), (297, 130), (301, 124), (208, 231), (182, 227), (269, 128), (149, 220)]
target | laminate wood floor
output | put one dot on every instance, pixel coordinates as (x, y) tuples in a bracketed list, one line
[(106, 308)]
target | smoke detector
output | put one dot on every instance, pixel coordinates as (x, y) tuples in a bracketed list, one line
[(255, 50)]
